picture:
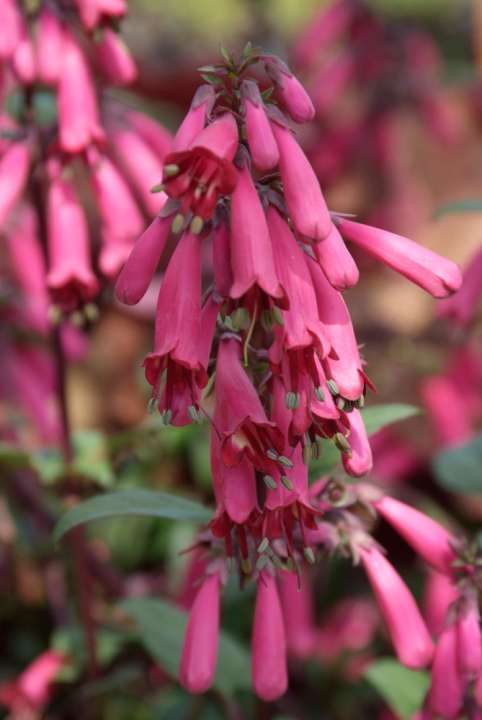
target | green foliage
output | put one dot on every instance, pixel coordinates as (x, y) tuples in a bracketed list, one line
[(459, 206), (458, 469), (402, 689), (161, 628)]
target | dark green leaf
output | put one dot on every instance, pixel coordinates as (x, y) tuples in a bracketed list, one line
[(458, 469), (161, 630), (132, 502), (377, 417), (402, 689), (328, 459)]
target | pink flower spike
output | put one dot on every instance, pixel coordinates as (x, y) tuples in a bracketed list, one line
[(439, 594), (432, 272), (92, 11), (270, 676), (234, 487), (298, 614), (359, 460), (23, 59), (290, 91), (223, 275), (70, 278), (448, 410), (405, 625), (193, 123), (79, 123), (200, 648), (426, 536), (113, 254), (137, 273), (446, 692), (336, 261), (153, 133), (114, 59), (304, 199), (469, 641), (346, 368), (10, 28), (34, 683), (262, 144), (326, 27), (462, 306), (252, 258), (49, 43), (14, 169)]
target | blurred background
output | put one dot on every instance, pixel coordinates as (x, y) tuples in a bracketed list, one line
[(398, 142)]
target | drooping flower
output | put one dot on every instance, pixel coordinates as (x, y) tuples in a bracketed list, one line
[(14, 169), (289, 90), (445, 696), (262, 144), (49, 46), (114, 59), (270, 677), (358, 460), (298, 614), (195, 120), (461, 308), (469, 641)]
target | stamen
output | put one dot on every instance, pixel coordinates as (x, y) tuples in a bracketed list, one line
[(171, 170), (177, 224), (197, 224), (270, 482)]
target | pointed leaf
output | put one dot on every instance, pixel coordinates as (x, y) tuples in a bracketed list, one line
[(458, 469), (402, 689), (377, 417), (139, 502), (459, 206)]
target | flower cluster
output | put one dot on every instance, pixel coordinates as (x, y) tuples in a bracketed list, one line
[(261, 343)]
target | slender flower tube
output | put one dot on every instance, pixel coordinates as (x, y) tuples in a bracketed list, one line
[(193, 123), (270, 677), (252, 258), (289, 90), (200, 648), (154, 135), (10, 28), (358, 461), (49, 45), (70, 278), (405, 625), (448, 410), (34, 683), (432, 272), (198, 175), (262, 144), (462, 306), (114, 59), (79, 123), (93, 11), (336, 262), (14, 169), (234, 487), (303, 196), (298, 614), (325, 28), (440, 592), (469, 642), (223, 275), (446, 691), (426, 536), (23, 59), (136, 275)]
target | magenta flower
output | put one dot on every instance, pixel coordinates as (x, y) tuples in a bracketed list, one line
[(79, 123), (405, 625), (199, 175), (239, 416), (114, 59), (136, 275), (234, 487), (262, 145), (358, 461), (270, 677), (223, 275), (70, 278), (430, 271), (32, 690), (336, 262), (200, 648), (332, 81), (350, 626), (448, 410), (303, 196), (290, 92), (469, 645), (326, 27), (14, 170), (154, 135), (195, 120), (93, 11), (252, 260), (298, 613), (440, 592), (49, 45), (462, 306), (10, 28), (23, 59), (446, 692), (426, 536)]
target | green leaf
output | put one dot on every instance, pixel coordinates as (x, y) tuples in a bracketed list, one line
[(402, 689), (161, 630), (12, 457), (329, 458), (377, 417), (459, 206), (148, 503), (458, 469), (91, 457)]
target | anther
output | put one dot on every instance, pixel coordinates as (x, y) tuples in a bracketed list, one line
[(152, 405), (333, 387), (272, 454), (263, 546), (160, 187), (309, 555), (171, 170), (197, 224), (284, 461), (286, 482), (270, 482), (177, 224), (320, 395)]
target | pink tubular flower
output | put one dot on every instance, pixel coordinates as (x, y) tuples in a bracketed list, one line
[(447, 689), (70, 278), (114, 59), (405, 625), (92, 11), (469, 644), (49, 45), (462, 306), (303, 196), (239, 416), (440, 592), (201, 106), (262, 145), (10, 28), (429, 539), (198, 175), (326, 27), (350, 626), (297, 613), (136, 275), (32, 689), (336, 262), (427, 269), (252, 258), (177, 334), (23, 59), (200, 648), (223, 276), (79, 123), (270, 677), (333, 80), (154, 135), (447, 410), (14, 169), (289, 90), (358, 461), (345, 368), (234, 487)]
